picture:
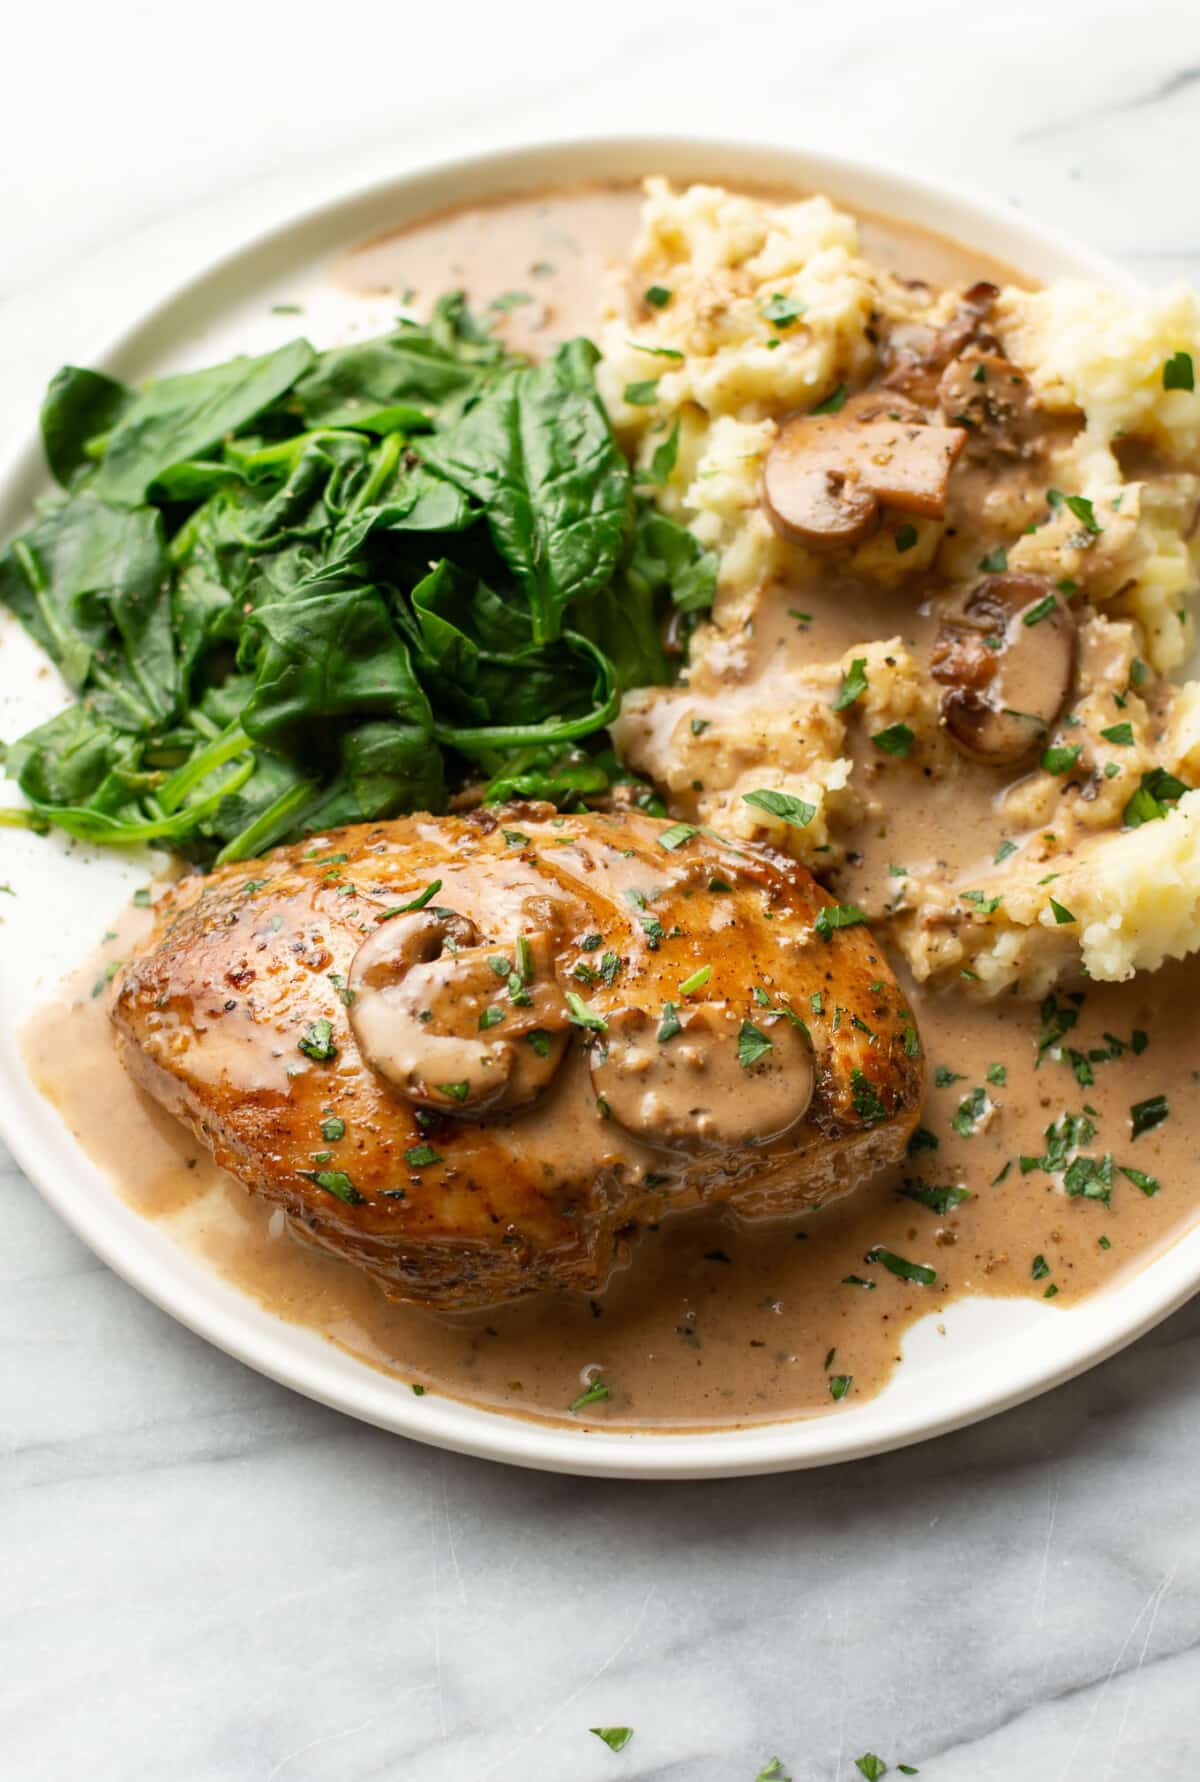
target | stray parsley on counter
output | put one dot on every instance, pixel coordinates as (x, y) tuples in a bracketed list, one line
[(615, 1737)]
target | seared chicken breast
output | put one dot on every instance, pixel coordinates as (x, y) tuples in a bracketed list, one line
[(472, 1054)]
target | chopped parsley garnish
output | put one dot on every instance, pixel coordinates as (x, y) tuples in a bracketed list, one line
[(615, 1737), (996, 562), (1061, 759), (658, 352), (1089, 1177), (839, 1385), (854, 684), (524, 960), (987, 906), (539, 1039), (590, 942), (1145, 1115), (676, 836), (1061, 913), (583, 1016), (795, 811), (1149, 1185), (594, 1394), (943, 1076), (872, 1767), (1041, 610), (337, 1183), (857, 1281), (699, 726), (418, 903), (1157, 791), (718, 885), (1120, 734), (899, 1265), (515, 838), (752, 1044), (781, 311), (1003, 851), (1079, 505), (1178, 372), (663, 461), (491, 1017), (838, 915), (697, 980), (653, 930), (938, 1200), (922, 1140), (317, 1042), (657, 296), (455, 1091), (643, 393), (897, 739), (773, 1772), (669, 1026), (997, 1073), (971, 1110), (421, 1156), (906, 536), (1040, 1269), (867, 1104), (510, 300), (333, 1128), (833, 403)]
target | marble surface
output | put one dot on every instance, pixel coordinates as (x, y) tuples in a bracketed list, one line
[(205, 1577)]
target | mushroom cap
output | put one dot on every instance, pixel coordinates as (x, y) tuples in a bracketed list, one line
[(689, 1091), (453, 1023), (1007, 675), (991, 396), (825, 476)]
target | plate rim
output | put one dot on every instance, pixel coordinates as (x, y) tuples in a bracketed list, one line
[(295, 1357)]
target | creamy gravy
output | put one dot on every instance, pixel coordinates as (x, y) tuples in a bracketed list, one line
[(556, 247), (716, 1322)]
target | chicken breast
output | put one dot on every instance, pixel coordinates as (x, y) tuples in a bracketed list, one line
[(472, 1054)]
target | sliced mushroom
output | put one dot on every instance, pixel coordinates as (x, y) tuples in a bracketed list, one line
[(689, 1090), (826, 476), (990, 396), (917, 355), (1007, 662), (453, 1023)]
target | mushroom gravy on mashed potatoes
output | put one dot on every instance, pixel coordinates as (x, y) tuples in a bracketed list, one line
[(952, 522)]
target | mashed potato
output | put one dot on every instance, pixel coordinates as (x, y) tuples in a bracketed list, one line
[(758, 310)]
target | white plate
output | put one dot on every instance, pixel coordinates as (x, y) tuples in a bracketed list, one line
[(994, 1353)]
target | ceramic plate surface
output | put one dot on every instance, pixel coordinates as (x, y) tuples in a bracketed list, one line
[(994, 1353)]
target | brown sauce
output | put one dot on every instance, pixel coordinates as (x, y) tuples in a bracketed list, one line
[(715, 1322)]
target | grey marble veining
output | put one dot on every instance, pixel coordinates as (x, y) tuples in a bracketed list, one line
[(207, 1578)]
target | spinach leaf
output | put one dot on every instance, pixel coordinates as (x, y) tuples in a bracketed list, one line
[(183, 416), (330, 656), (277, 614), (668, 560), (87, 580), (537, 452), (78, 406)]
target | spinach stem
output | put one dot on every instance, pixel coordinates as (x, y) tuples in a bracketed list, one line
[(272, 823), (173, 791)]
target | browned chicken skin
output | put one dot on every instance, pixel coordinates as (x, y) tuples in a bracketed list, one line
[(539, 1082)]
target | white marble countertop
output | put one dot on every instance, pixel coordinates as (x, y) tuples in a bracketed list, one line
[(205, 1577)]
